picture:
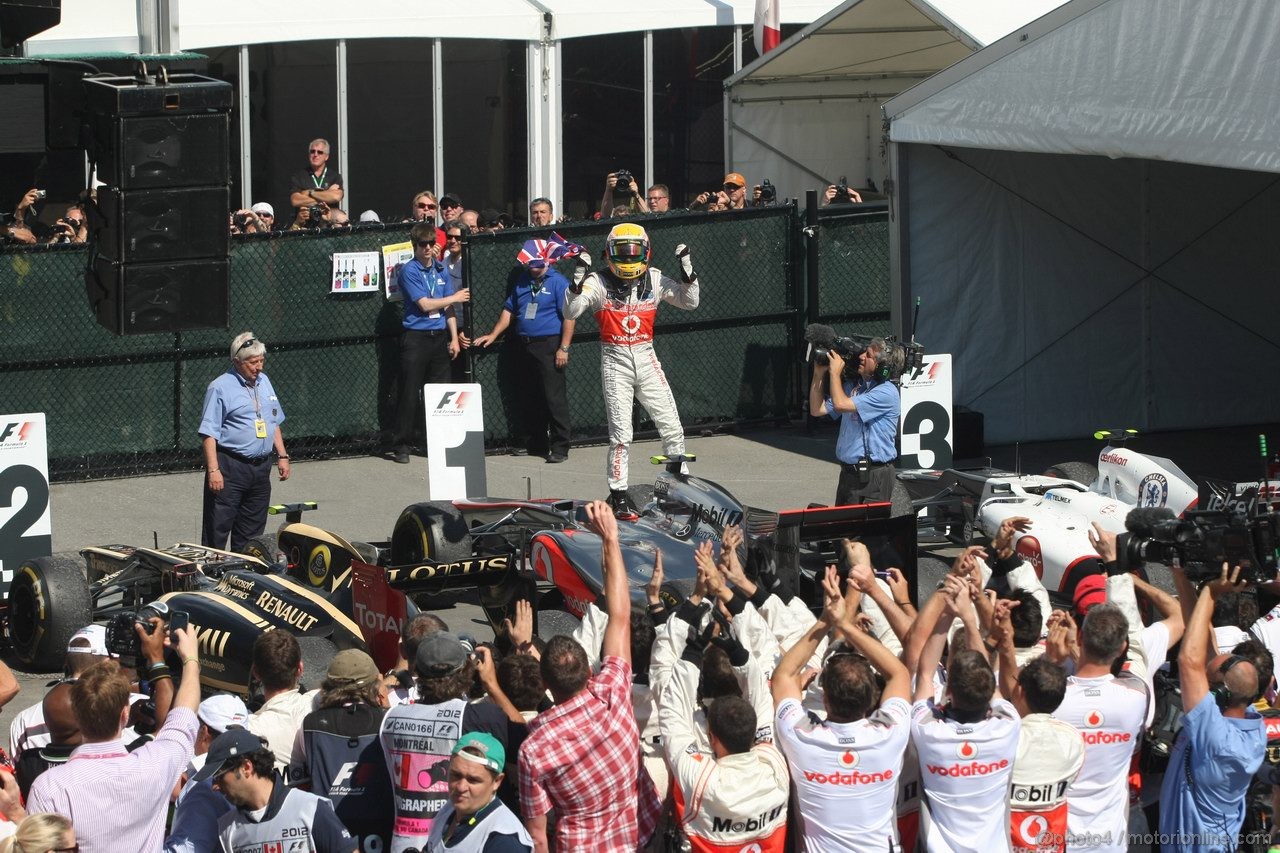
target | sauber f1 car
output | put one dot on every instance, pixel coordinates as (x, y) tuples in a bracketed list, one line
[(334, 593), (1061, 504)]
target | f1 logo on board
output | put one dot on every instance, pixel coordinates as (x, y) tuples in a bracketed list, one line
[(16, 432), (452, 400)]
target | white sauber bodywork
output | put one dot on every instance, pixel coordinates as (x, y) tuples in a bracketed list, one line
[(1062, 511)]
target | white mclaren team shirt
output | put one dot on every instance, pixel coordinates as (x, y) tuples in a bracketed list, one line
[(965, 770), (1267, 630), (845, 775), (1109, 713), (1050, 755)]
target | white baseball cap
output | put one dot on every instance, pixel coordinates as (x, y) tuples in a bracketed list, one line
[(264, 207), (89, 640), (370, 216), (222, 711)]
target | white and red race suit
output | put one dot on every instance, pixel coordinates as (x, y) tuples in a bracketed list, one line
[(1050, 755), (733, 803), (629, 367)]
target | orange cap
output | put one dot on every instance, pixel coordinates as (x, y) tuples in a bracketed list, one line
[(735, 179)]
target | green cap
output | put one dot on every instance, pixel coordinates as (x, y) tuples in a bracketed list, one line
[(483, 749)]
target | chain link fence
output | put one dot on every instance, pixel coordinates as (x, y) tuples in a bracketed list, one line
[(122, 406)]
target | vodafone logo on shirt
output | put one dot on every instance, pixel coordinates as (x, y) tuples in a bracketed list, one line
[(1094, 719), (966, 749), (849, 759)]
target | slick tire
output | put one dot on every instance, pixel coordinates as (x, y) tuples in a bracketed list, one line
[(1081, 472), (265, 548), (48, 602), (317, 654), (553, 623)]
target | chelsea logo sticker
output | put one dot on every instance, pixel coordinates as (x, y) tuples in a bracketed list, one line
[(1153, 490)]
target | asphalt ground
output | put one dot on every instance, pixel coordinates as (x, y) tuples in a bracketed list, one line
[(361, 497)]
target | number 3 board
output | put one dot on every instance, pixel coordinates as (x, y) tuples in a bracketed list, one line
[(925, 428)]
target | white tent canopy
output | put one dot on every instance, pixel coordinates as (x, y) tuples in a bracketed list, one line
[(1087, 211), (809, 111)]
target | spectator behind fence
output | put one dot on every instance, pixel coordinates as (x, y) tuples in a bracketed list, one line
[(370, 216), (339, 751), (266, 215), (626, 195), (840, 193), (1223, 740), (471, 219), (474, 811), (430, 338), (267, 814), (732, 196), (277, 666), (540, 342), (247, 221), (41, 833), (24, 226), (582, 757), (450, 207), (317, 183), (117, 799), (239, 429), (71, 228), (659, 198), (199, 806), (846, 768), (454, 234), (418, 738), (541, 213)]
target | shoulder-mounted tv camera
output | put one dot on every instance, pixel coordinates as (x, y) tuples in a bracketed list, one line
[(895, 360)]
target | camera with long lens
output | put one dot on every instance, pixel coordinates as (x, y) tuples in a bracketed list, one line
[(1201, 541), (768, 192), (623, 185), (823, 340), (122, 641)]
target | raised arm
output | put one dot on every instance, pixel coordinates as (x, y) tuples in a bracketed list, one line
[(786, 676), (617, 596), (1166, 606)]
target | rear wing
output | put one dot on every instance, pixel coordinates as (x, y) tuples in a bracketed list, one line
[(806, 539)]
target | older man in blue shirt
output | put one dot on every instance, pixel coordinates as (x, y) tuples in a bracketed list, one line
[(868, 410), (1222, 742), (239, 427), (430, 338)]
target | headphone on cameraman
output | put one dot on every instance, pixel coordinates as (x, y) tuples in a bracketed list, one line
[(1221, 693), (882, 371)]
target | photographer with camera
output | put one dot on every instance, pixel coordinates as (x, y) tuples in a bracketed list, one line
[(764, 194), (866, 400), (621, 189), (732, 196), (317, 183), (840, 193), (118, 799), (1222, 742)]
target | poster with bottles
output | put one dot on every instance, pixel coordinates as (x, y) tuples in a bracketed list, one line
[(393, 257), (356, 272)]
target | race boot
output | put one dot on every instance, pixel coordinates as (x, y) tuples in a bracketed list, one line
[(623, 508)]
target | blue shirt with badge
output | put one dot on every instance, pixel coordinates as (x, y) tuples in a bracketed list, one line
[(536, 305), (877, 405), (232, 408), (1202, 800), (417, 281)]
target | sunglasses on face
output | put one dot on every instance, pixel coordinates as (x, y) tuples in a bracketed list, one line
[(732, 187), (426, 205), (422, 244), (318, 151), (453, 238), (654, 199), (450, 204)]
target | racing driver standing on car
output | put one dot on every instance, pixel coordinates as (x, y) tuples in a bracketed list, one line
[(868, 405), (625, 300)]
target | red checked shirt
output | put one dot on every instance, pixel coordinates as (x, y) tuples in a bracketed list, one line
[(582, 757)]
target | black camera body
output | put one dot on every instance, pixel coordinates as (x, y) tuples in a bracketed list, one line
[(122, 640), (241, 220), (768, 192), (623, 186), (316, 214), (823, 340), (842, 191), (1202, 540)]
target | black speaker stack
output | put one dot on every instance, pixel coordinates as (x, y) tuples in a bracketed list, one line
[(161, 146)]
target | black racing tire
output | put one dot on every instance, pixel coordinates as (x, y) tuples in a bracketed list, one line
[(48, 602), (553, 623), (929, 573), (901, 500), (264, 547), (317, 654), (432, 530), (1081, 472)]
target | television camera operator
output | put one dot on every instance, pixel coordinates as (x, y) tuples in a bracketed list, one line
[(863, 394)]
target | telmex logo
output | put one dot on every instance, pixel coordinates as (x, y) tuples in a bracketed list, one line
[(973, 768), (16, 431)]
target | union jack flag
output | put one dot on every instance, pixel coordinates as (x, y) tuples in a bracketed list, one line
[(549, 250)]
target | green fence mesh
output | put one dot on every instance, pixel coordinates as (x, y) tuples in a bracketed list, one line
[(120, 406)]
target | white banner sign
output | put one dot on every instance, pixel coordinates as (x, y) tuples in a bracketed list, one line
[(455, 441), (926, 423), (25, 528), (394, 256), (356, 272)]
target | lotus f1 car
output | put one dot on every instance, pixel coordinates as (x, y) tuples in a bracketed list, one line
[(334, 593), (1062, 504)]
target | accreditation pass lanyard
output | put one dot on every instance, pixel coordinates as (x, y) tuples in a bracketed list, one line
[(259, 425), (319, 182)]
